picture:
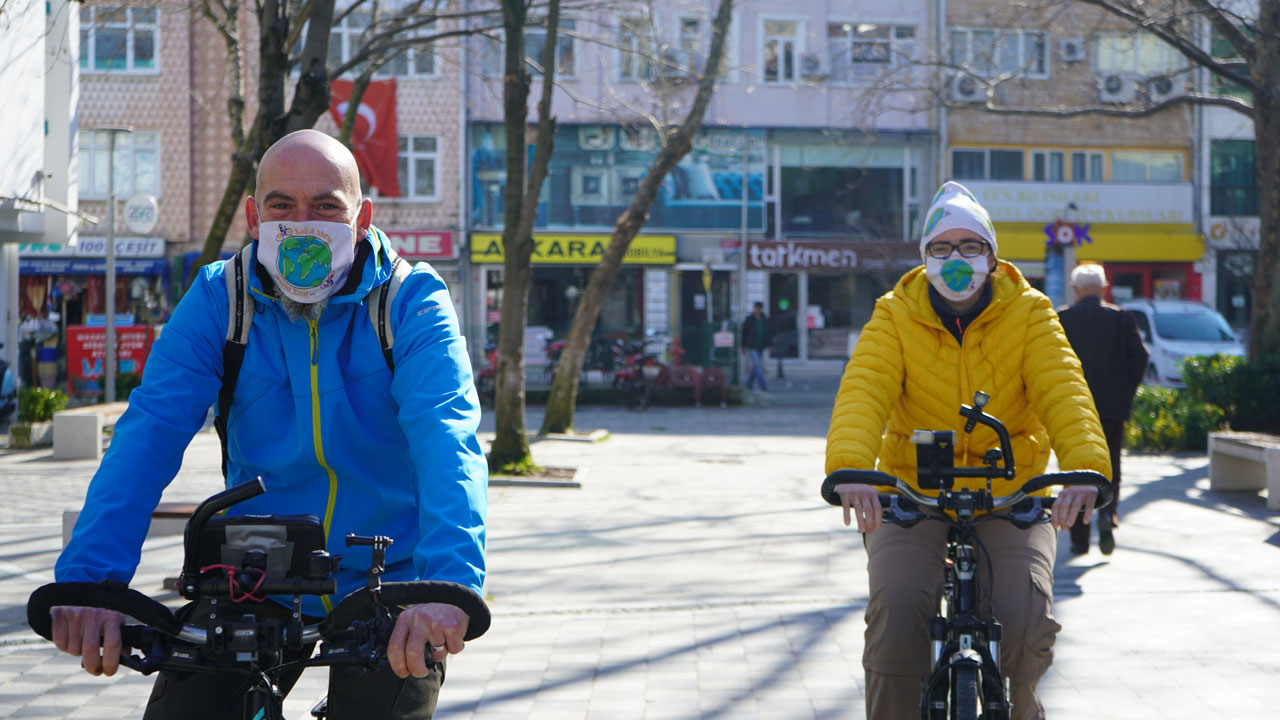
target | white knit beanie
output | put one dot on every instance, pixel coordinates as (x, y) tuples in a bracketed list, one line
[(955, 207)]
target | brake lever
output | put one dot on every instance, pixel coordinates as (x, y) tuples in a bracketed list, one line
[(901, 511), (1029, 511)]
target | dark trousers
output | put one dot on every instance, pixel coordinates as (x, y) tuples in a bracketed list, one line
[(1114, 432), (354, 693)]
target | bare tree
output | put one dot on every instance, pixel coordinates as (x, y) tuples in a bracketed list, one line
[(676, 144), (510, 450), (304, 26)]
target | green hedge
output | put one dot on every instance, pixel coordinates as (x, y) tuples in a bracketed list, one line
[(37, 404), (1247, 392), (1170, 419)]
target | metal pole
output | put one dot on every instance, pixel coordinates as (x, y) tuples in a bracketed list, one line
[(109, 361)]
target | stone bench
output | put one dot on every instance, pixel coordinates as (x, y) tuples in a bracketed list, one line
[(77, 433), (1245, 462), (169, 518)]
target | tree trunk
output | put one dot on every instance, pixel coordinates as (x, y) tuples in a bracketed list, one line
[(1264, 324), (510, 450), (564, 386)]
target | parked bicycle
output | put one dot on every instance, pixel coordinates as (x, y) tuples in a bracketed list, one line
[(966, 682), (355, 633)]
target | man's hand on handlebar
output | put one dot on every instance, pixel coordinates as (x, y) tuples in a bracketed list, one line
[(436, 624), (862, 502), (1072, 500), (91, 633)]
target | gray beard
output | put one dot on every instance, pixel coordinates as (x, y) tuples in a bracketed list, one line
[(309, 312)]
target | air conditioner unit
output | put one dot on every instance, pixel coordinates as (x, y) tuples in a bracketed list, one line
[(1165, 87), (812, 67), (675, 64), (967, 88), (1117, 88), (1071, 50)]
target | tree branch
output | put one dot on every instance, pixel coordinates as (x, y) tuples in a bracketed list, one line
[(1227, 102)]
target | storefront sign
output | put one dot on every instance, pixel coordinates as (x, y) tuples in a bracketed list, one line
[(1094, 202), (141, 213), (579, 249), (95, 246), (423, 244), (801, 255), (86, 349)]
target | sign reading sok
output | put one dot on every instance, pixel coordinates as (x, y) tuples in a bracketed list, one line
[(792, 255)]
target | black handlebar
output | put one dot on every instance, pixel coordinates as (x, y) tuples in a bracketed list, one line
[(876, 478), (195, 526)]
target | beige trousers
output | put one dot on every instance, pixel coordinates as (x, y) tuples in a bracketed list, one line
[(905, 569)]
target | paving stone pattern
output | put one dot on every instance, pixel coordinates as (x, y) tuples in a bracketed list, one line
[(696, 574)]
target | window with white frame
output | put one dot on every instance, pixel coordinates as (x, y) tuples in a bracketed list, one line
[(864, 50), (1048, 166), (781, 51), (137, 163), (535, 39), (693, 39), (119, 39), (987, 164), (1086, 166), (635, 49), (346, 41), (419, 157), (988, 53), (1146, 166), (1140, 53)]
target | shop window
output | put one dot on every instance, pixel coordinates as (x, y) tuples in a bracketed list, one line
[(843, 200), (136, 164), (1233, 180), (119, 39), (419, 160)]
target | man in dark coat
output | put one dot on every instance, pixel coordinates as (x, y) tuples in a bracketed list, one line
[(757, 337), (1110, 348)]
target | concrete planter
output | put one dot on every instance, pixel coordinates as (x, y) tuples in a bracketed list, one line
[(30, 435)]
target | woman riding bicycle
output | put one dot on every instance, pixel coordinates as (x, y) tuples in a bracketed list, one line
[(965, 321)]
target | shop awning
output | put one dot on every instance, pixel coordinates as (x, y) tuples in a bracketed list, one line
[(1112, 242)]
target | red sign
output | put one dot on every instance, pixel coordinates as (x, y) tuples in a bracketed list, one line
[(423, 244), (373, 139), (87, 348)]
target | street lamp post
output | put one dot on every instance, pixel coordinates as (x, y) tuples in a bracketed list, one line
[(109, 361)]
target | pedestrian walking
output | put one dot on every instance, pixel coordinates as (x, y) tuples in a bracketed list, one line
[(1110, 348), (757, 337)]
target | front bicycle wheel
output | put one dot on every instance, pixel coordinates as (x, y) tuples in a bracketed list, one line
[(964, 693)]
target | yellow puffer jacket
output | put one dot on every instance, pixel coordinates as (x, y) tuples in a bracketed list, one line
[(909, 373)]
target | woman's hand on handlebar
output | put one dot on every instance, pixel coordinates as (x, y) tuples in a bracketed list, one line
[(91, 633), (861, 502), (1073, 500), (438, 625)]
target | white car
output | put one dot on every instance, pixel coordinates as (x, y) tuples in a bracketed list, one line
[(1175, 329)]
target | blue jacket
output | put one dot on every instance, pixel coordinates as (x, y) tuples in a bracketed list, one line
[(320, 417)]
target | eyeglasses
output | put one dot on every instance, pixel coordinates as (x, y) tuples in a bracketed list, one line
[(940, 250)]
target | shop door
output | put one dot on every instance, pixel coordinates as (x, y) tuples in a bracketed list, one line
[(1235, 277), (703, 313), (784, 305)]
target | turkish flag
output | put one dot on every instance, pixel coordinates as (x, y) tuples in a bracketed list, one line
[(373, 139)]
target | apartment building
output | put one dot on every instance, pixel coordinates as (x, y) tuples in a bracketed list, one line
[(800, 191), (1120, 188)]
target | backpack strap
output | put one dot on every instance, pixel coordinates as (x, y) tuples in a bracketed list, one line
[(239, 321), (380, 301)]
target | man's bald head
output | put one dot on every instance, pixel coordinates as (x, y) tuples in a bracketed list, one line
[(307, 175)]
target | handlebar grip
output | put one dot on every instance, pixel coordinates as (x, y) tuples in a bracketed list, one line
[(359, 604), (854, 477), (1106, 493), (107, 596)]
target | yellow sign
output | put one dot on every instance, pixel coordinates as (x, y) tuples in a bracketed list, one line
[(578, 249), (1112, 242)]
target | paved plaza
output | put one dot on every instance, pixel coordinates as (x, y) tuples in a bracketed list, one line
[(697, 574)]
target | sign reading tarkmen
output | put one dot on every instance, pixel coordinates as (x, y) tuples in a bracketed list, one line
[(578, 249)]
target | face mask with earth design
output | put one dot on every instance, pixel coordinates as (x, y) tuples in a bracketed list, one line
[(957, 278), (308, 260)]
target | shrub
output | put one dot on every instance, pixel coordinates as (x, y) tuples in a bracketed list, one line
[(1245, 391), (1169, 419), (36, 404)]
